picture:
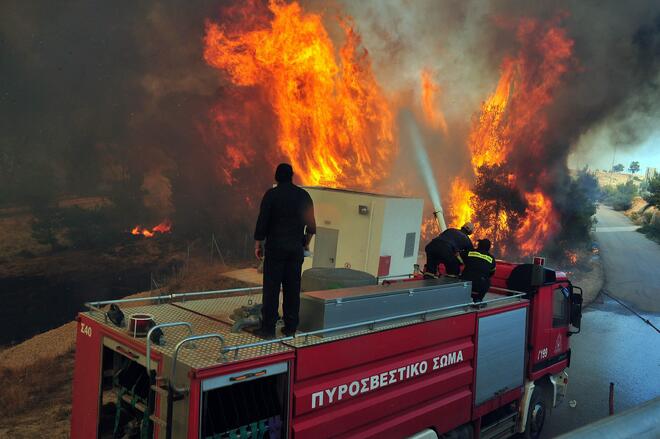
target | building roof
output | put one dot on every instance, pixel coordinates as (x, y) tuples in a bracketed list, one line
[(350, 191)]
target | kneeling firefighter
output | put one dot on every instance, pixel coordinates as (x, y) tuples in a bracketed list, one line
[(479, 268), (445, 248)]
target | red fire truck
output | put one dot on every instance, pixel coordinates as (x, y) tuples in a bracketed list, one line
[(411, 359)]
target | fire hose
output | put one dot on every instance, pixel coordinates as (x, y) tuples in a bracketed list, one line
[(644, 319)]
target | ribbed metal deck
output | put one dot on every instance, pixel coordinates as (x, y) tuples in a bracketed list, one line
[(211, 316)]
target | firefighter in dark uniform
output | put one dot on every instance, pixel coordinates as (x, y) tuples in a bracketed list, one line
[(286, 224), (445, 249), (479, 268)]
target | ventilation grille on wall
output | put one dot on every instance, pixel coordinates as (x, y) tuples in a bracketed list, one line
[(409, 249)]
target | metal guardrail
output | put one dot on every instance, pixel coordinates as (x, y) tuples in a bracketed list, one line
[(95, 306), (161, 326), (515, 292), (640, 422), (188, 340)]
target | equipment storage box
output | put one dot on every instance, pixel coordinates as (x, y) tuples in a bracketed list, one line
[(346, 306)]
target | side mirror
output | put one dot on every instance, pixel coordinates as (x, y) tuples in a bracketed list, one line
[(575, 309)]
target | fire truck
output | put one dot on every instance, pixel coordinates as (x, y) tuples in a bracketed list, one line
[(414, 359)]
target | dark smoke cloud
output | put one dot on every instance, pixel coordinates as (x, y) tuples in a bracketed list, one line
[(617, 46), (616, 88), (91, 92)]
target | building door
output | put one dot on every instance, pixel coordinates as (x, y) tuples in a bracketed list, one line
[(325, 247)]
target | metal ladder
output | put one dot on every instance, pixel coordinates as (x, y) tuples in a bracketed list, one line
[(166, 386)]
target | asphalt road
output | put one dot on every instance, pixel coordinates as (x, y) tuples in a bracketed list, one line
[(630, 261), (615, 345)]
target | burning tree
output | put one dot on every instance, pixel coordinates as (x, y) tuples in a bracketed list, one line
[(498, 205), (510, 201)]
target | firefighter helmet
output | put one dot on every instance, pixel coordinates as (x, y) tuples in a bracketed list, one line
[(468, 228)]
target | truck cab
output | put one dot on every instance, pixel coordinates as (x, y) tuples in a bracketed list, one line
[(555, 314)]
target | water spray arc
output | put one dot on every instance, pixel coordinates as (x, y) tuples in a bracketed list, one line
[(424, 165)]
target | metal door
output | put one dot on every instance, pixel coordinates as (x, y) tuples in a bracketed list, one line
[(325, 247)]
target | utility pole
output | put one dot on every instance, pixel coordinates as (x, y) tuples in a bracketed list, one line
[(612, 167)]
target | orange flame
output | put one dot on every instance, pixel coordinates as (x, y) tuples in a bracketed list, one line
[(460, 203), (490, 139), (572, 257), (539, 222), (334, 124), (513, 120), (164, 227), (430, 93)]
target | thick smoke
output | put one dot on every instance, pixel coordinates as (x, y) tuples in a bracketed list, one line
[(617, 48), (98, 93), (112, 99)]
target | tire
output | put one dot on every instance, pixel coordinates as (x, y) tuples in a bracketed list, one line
[(536, 414)]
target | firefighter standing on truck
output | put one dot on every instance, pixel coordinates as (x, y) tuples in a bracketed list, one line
[(445, 249), (286, 222), (479, 268)]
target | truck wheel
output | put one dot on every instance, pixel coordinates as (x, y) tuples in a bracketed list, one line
[(536, 414)]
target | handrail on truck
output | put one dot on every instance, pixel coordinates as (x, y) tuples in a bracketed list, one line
[(188, 340), (95, 306), (370, 323), (161, 326)]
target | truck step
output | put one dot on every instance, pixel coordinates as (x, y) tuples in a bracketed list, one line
[(159, 389), (501, 428), (158, 421)]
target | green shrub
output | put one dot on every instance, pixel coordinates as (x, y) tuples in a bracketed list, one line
[(653, 197), (619, 197)]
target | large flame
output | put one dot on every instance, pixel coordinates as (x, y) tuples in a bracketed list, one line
[(512, 124), (538, 223), (430, 94), (334, 124), (460, 201)]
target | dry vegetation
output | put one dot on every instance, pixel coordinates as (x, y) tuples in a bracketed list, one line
[(16, 237), (36, 400), (588, 275), (614, 178)]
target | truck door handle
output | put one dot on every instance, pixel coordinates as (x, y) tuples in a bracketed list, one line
[(129, 354), (248, 375)]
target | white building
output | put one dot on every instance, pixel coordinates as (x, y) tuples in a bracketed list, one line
[(378, 234)]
